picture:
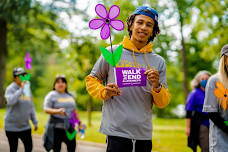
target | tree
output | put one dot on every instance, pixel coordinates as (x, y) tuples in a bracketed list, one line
[(81, 57), (212, 25), (183, 8), (10, 12), (16, 17)]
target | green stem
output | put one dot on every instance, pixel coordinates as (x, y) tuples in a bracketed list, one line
[(112, 49), (113, 59)]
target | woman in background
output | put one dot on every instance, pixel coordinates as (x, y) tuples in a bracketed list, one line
[(197, 122), (60, 104)]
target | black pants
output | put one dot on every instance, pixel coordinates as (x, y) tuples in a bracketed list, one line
[(119, 144), (59, 137), (25, 137)]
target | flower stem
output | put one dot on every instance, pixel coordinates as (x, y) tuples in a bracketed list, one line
[(113, 59), (111, 43)]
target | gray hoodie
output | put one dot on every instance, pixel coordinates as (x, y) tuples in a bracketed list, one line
[(217, 138), (20, 109), (129, 115)]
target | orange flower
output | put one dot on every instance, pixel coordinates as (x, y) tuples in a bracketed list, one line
[(221, 92)]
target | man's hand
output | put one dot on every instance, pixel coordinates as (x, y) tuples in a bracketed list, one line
[(112, 90), (153, 77), (22, 84)]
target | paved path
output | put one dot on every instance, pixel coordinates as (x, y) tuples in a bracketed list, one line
[(82, 146)]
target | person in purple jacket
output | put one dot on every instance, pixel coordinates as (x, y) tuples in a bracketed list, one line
[(197, 122)]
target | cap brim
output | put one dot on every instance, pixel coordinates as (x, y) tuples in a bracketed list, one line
[(19, 73), (226, 54)]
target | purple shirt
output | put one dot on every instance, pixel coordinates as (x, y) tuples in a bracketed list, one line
[(195, 102)]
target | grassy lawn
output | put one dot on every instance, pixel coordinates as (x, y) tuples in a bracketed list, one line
[(168, 134)]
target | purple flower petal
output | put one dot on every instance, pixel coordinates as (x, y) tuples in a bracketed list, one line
[(114, 12), (117, 25), (28, 66), (105, 32), (28, 59), (101, 11), (96, 23)]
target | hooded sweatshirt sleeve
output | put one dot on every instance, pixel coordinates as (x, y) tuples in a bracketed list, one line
[(12, 96), (33, 116), (99, 73), (162, 98)]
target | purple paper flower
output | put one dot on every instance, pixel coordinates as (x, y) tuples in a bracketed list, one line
[(73, 119), (28, 61), (106, 20)]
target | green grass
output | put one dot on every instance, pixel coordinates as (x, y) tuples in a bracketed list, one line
[(168, 134)]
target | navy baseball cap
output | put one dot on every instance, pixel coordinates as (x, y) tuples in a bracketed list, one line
[(153, 15)]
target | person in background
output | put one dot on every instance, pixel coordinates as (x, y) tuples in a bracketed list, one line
[(59, 103), (197, 122), (20, 110), (216, 105)]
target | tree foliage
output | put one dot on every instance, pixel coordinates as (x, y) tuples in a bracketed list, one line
[(39, 29)]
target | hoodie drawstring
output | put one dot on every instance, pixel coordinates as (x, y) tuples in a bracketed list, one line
[(133, 142), (147, 61), (145, 58), (134, 58)]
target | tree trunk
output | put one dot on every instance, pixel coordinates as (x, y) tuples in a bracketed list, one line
[(183, 50), (3, 54), (89, 109), (184, 61)]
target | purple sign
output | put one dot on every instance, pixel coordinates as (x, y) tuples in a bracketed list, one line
[(129, 77)]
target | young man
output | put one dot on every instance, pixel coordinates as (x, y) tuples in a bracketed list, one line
[(20, 110), (127, 112)]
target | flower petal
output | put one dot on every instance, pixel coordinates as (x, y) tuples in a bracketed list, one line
[(26, 59), (114, 12), (105, 32), (224, 103), (96, 23), (117, 25), (101, 11), (220, 86), (28, 66), (218, 93)]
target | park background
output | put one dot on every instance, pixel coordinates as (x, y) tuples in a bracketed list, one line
[(57, 36)]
